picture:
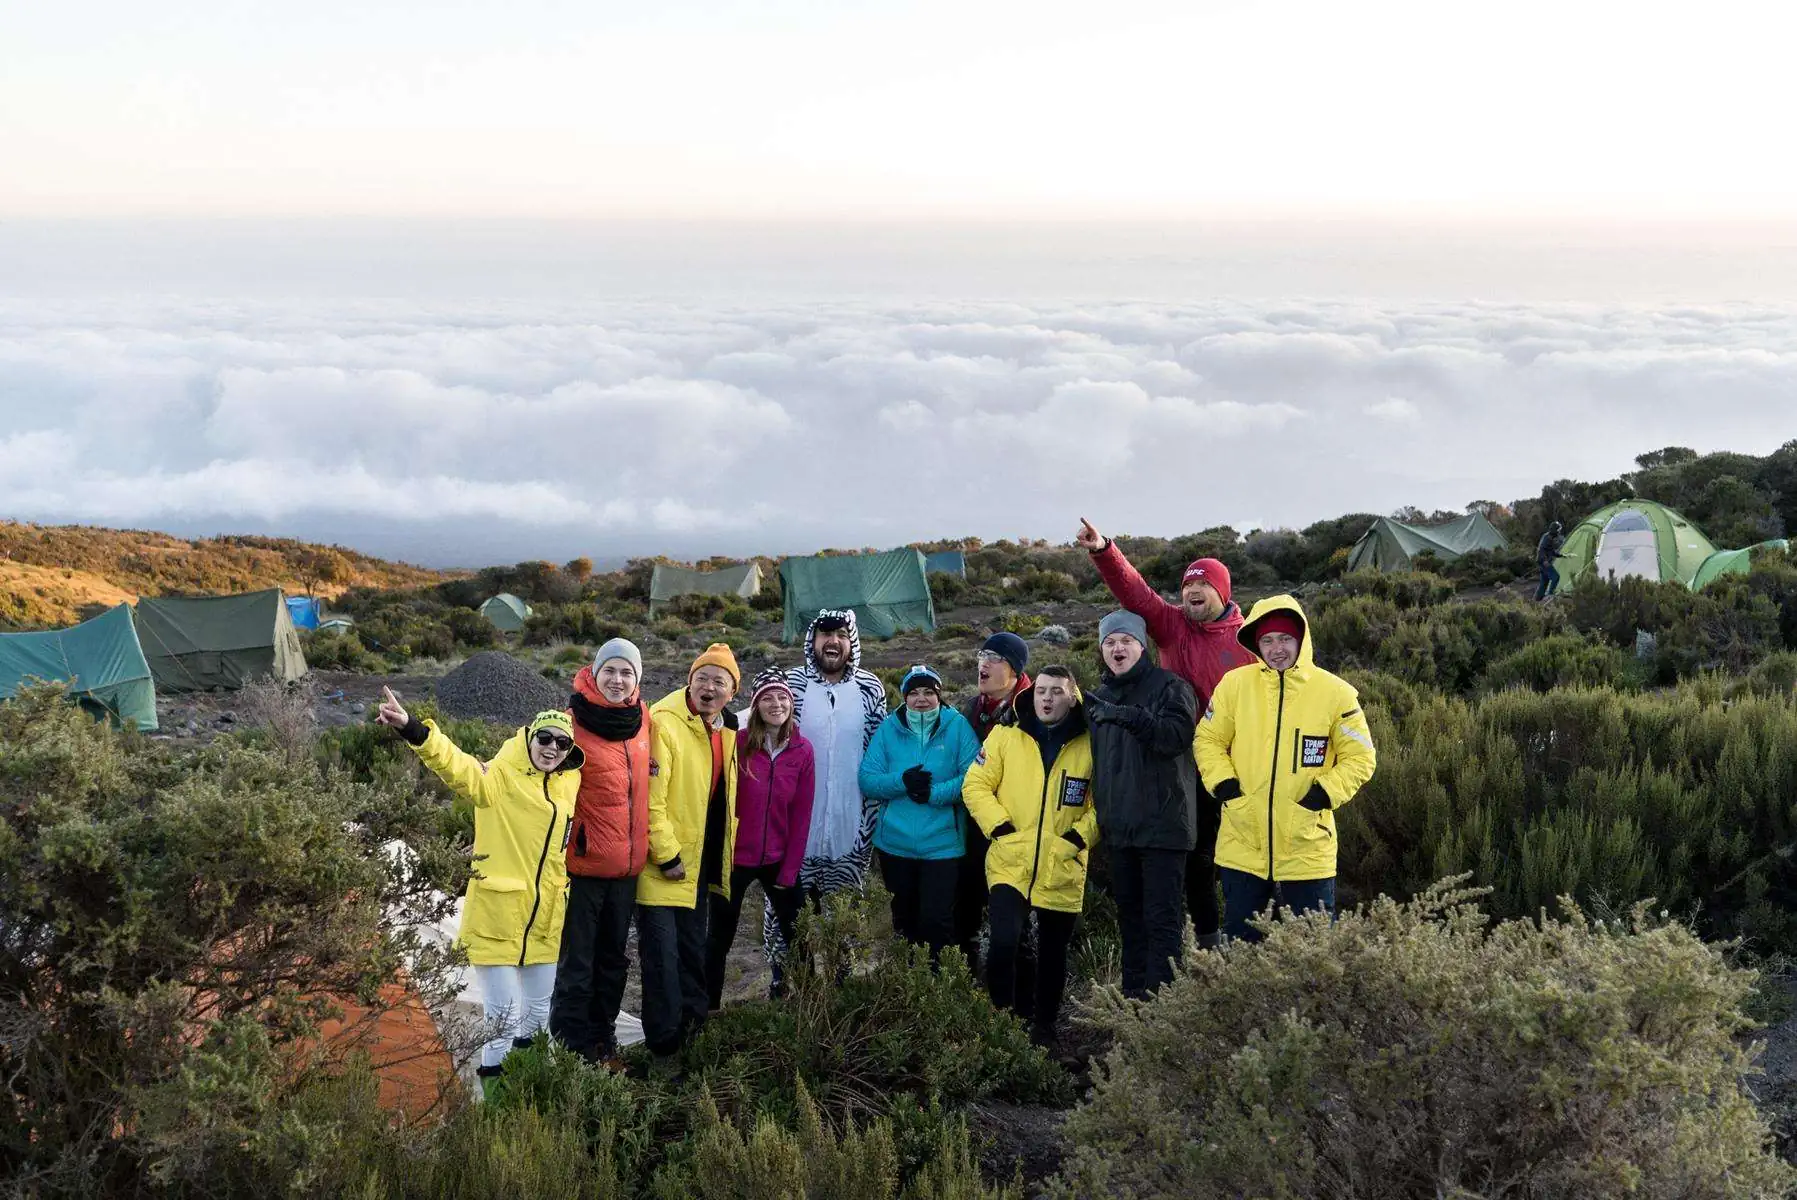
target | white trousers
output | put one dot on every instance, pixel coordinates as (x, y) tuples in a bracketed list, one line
[(516, 1000)]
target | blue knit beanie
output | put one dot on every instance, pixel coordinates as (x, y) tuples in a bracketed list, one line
[(1009, 647)]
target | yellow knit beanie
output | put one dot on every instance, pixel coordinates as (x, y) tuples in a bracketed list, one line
[(718, 655)]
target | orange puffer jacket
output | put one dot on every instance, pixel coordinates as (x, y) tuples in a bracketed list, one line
[(610, 835)]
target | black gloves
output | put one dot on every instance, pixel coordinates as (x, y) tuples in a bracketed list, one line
[(1130, 716), (1072, 835), (1316, 799), (1004, 830), (1229, 789), (415, 732), (917, 784)]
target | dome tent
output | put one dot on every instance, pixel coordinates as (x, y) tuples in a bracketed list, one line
[(506, 612), (1642, 539)]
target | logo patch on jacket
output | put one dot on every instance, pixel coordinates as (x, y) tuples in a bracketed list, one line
[(1316, 749), (1073, 792), (567, 832)]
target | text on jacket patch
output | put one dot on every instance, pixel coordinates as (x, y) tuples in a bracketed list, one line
[(1315, 750), (1073, 791)]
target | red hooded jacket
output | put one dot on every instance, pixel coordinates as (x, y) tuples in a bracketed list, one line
[(610, 835), (1200, 654)]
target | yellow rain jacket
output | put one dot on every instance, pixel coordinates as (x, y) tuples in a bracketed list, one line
[(1278, 733), (1008, 782), (512, 913), (679, 801)]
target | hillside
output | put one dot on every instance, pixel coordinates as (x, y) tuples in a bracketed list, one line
[(48, 573)]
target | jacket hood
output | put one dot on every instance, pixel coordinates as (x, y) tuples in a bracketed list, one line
[(845, 614), (516, 753), (676, 706), (1227, 625), (1266, 608), (588, 687)]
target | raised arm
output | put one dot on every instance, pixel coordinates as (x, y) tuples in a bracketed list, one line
[(1127, 585)]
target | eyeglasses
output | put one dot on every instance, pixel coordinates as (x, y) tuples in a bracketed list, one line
[(547, 737), (989, 656)]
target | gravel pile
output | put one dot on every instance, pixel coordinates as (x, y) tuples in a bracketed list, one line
[(499, 688)]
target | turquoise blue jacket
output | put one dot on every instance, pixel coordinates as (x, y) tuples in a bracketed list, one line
[(906, 828)]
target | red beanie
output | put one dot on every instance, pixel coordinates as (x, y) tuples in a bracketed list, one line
[(1278, 622), (1212, 572)]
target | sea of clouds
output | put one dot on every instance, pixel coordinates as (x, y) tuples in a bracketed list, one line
[(466, 432)]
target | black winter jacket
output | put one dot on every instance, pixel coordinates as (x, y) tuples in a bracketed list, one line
[(1144, 778)]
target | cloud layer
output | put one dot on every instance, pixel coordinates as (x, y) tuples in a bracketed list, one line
[(468, 433)]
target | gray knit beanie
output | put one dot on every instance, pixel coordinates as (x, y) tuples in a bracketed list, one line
[(1123, 622), (620, 648)]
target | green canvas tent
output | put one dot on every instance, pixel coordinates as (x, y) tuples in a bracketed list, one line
[(199, 642), (1732, 562), (665, 583), (888, 592), (1392, 545), (506, 612), (1634, 539), (100, 661)]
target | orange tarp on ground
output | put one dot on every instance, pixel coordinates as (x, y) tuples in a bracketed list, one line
[(404, 1047)]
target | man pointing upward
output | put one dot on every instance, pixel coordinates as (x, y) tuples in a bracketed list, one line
[(1197, 641)]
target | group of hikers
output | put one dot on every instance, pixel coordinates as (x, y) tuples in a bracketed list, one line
[(1224, 763)]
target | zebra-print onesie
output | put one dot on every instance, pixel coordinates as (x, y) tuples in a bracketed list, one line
[(838, 866)]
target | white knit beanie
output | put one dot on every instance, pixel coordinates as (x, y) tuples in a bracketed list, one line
[(620, 648)]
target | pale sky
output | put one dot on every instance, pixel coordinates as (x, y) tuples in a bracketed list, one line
[(598, 108)]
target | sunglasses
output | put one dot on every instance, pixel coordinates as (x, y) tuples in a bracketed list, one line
[(560, 741)]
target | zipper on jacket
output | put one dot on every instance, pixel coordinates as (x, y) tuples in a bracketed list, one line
[(1273, 783), (1029, 893), (630, 817), (767, 806), (537, 903), (1297, 740)]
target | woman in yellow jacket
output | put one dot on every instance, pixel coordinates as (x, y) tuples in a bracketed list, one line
[(1030, 791), (692, 843), (512, 914), (1282, 746)]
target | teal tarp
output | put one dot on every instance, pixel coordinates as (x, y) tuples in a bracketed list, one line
[(946, 562), (100, 660), (888, 592)]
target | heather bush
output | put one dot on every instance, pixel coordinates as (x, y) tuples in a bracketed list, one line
[(339, 652), (1415, 1050), (1559, 660)]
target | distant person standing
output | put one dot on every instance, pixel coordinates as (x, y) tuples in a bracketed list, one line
[(606, 852), (776, 783), (692, 844), (1004, 682), (511, 928), (1547, 551), (1145, 781), (1283, 746), (913, 771), (1197, 641), (1031, 791), (839, 706)]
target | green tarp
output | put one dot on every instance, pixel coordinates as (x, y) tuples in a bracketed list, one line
[(506, 612), (1391, 545), (100, 661), (1732, 562), (946, 562), (888, 592), (195, 643), (1634, 538), (665, 583)]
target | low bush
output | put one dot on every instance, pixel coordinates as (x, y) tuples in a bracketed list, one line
[(1403, 589), (1560, 660), (339, 652), (1414, 1051)]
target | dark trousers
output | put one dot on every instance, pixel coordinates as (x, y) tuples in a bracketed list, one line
[(923, 899), (1149, 887), (725, 914), (594, 963), (671, 942), (970, 897), (1246, 896), (1054, 932), (1550, 581), (1201, 871)]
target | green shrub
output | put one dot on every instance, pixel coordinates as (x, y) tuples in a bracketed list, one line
[(339, 652), (738, 616), (1559, 660), (954, 633), (1605, 796), (866, 1023), (1404, 589), (671, 629), (1413, 1051), (1023, 624)]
